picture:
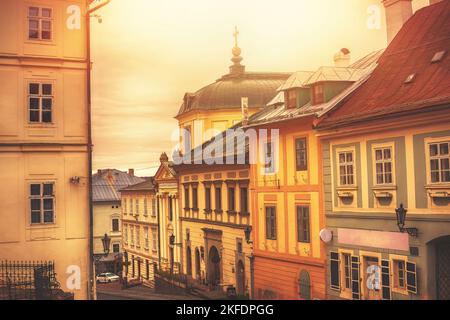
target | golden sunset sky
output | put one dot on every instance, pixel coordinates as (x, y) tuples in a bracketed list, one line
[(148, 53)]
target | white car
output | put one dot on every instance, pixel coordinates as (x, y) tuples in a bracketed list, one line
[(107, 277)]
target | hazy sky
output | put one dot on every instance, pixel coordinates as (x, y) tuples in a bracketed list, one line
[(148, 53)]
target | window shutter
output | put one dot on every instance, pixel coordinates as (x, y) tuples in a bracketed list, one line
[(356, 285), (385, 280), (411, 277), (334, 271)]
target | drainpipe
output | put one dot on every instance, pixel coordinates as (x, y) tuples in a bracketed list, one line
[(159, 230), (91, 282)]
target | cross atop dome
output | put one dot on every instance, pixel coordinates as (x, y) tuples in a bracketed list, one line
[(236, 68)]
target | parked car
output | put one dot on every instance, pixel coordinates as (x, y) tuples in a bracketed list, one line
[(107, 277)]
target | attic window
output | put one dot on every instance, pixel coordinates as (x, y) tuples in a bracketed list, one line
[(438, 56), (410, 78)]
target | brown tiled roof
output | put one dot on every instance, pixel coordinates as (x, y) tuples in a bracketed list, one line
[(106, 184), (227, 91), (147, 185), (385, 92)]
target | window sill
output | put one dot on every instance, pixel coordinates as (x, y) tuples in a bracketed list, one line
[(244, 214), (437, 186), (347, 188), (207, 211), (220, 211), (232, 212), (195, 209), (385, 187), (42, 226), (41, 125)]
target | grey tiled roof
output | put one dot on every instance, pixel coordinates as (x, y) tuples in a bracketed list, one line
[(106, 184), (147, 185)]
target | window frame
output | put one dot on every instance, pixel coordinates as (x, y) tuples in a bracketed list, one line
[(339, 151), (231, 200), (243, 199), (382, 146), (218, 198), (112, 224), (40, 18), (297, 220), (269, 168), (40, 96), (273, 224), (431, 141), (301, 167), (41, 199), (318, 91), (394, 260)]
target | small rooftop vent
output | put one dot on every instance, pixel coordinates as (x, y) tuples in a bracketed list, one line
[(410, 78), (438, 56)]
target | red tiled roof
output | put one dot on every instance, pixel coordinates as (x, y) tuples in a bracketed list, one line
[(411, 52)]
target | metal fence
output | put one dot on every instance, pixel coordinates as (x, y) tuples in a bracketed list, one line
[(30, 280)]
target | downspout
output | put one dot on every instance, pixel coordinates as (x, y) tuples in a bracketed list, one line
[(159, 229), (91, 293)]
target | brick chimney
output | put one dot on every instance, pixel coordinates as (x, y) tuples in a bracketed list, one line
[(131, 172), (397, 13), (342, 58)]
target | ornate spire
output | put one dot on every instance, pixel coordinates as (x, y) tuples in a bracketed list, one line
[(236, 68)]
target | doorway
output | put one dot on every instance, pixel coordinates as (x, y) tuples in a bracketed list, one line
[(213, 267), (371, 278), (443, 270), (188, 261), (240, 278), (197, 264)]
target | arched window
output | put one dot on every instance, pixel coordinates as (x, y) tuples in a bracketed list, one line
[(304, 284)]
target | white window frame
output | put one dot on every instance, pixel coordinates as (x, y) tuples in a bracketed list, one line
[(40, 18), (154, 207), (146, 240), (42, 197), (338, 166), (145, 207), (154, 232), (428, 143), (40, 96), (383, 146), (138, 236)]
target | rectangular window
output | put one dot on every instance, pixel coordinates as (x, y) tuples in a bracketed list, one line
[(218, 191), (186, 198), (145, 207), (303, 230), (301, 154), (334, 271), (347, 279), (208, 198), (170, 202), (146, 238), (187, 139), (271, 223), (116, 247), (124, 206), (399, 274), (131, 206), (137, 206), (292, 98), (268, 158), (231, 199), (132, 235), (40, 21), (318, 96), (439, 162), (125, 233), (40, 102), (244, 199), (154, 239), (346, 168), (42, 203), (383, 165), (138, 236), (194, 198), (153, 207), (115, 225)]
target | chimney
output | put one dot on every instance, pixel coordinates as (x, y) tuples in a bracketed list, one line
[(244, 107), (99, 171), (397, 13), (131, 172), (342, 58)]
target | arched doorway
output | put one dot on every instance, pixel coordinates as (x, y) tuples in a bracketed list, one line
[(188, 261), (443, 268), (240, 278), (197, 264), (304, 285), (213, 267)]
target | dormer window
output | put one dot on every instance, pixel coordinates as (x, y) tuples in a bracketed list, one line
[(291, 98), (318, 97)]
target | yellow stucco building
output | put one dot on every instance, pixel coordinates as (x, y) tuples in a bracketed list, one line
[(44, 137), (215, 199), (140, 231)]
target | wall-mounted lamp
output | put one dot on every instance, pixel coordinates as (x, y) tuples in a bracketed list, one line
[(248, 232), (401, 219)]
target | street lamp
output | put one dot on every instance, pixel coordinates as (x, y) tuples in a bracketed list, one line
[(106, 243), (248, 232), (401, 219)]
